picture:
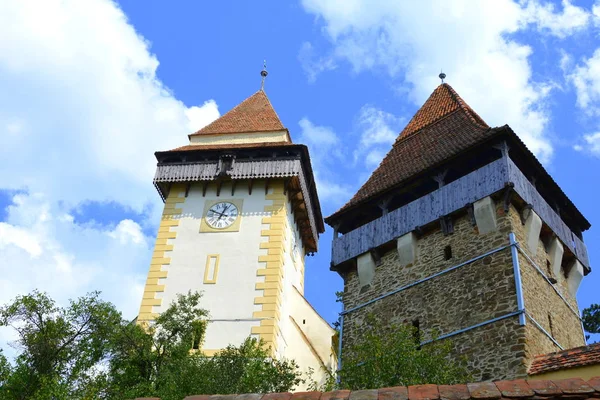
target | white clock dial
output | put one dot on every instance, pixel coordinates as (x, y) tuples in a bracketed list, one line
[(221, 215)]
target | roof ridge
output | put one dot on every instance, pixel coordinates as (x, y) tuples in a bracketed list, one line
[(467, 108)]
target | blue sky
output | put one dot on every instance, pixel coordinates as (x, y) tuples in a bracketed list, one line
[(92, 90)]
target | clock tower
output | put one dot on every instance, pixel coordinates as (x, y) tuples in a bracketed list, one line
[(241, 213)]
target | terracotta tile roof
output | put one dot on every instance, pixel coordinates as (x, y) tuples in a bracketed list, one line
[(574, 388), (577, 357), (442, 128), (231, 146), (255, 114), (442, 102)]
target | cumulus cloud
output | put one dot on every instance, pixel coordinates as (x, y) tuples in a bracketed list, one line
[(558, 23), (471, 41), (589, 144), (379, 129), (81, 102), (585, 77), (327, 155), (43, 248), (312, 64), (81, 114)]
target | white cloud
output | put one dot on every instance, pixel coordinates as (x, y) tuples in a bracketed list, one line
[(327, 156), (589, 144), (81, 114), (411, 41), (312, 64), (586, 79), (379, 130), (42, 247), (560, 24), (82, 104), (322, 137)]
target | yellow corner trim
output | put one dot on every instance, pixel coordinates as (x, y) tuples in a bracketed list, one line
[(267, 285), (166, 235), (157, 274), (268, 272), (160, 261)]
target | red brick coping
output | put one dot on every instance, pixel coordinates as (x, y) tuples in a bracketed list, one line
[(574, 388)]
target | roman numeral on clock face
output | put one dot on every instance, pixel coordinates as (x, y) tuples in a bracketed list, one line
[(221, 215)]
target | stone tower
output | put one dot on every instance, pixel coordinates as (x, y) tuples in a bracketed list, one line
[(461, 230), (241, 212)]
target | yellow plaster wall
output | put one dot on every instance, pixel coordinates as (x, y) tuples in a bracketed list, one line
[(240, 138), (271, 269), (585, 373), (162, 247)]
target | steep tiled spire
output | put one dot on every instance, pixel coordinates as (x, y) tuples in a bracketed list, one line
[(441, 103), (444, 126), (255, 114)]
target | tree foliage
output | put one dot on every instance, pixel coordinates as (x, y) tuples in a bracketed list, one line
[(392, 355), (591, 318), (87, 351), (60, 348)]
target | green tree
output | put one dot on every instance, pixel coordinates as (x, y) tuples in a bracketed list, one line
[(87, 351), (160, 360), (591, 319), (143, 359), (391, 355), (60, 347)]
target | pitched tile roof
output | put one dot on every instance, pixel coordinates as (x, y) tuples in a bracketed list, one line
[(255, 114), (443, 101), (443, 127), (577, 357), (574, 388)]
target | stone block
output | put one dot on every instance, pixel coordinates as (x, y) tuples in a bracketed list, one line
[(533, 227), (407, 249), (485, 215), (575, 277), (365, 268), (555, 252), (370, 394), (393, 393)]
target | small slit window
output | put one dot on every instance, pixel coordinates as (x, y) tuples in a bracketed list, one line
[(447, 252), (211, 270), (417, 332), (550, 325)]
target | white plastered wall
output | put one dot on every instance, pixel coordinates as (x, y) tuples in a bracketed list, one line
[(232, 296)]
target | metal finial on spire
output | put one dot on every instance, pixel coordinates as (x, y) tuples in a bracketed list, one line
[(442, 76), (264, 74)]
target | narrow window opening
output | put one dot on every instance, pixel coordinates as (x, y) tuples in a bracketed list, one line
[(549, 267), (550, 325), (303, 322), (447, 252), (417, 332)]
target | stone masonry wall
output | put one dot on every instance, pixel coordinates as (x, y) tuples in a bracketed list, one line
[(542, 303), (472, 294)]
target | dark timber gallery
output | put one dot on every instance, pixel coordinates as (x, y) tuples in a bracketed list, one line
[(462, 231)]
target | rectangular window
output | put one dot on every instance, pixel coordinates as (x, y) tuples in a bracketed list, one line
[(212, 268)]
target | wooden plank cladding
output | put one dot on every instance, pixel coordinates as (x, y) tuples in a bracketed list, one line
[(240, 169), (531, 196), (452, 197), (258, 168)]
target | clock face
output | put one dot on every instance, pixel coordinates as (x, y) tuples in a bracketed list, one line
[(221, 215)]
